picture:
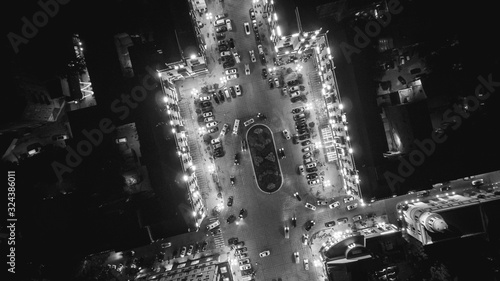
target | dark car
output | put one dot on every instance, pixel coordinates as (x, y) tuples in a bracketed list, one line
[(232, 240), (297, 110), (263, 59), (221, 95), (221, 29), (220, 36), (294, 221), (244, 145), (301, 126), (271, 83), (301, 122), (401, 80), (231, 43), (307, 142), (204, 246), (330, 223), (292, 83), (233, 92), (223, 48), (296, 99), (236, 159), (231, 219), (264, 73), (206, 104), (232, 180), (242, 212), (216, 99), (312, 176), (310, 170), (228, 64), (310, 224), (304, 137), (230, 201), (302, 131)]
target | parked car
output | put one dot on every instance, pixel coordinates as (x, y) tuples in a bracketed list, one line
[(209, 119), (183, 251), (321, 202), (233, 92), (252, 14), (312, 176), (281, 153), (224, 129), (231, 71), (247, 28), (310, 206), (261, 50), (237, 89), (60, 137), (335, 204), (213, 130), (247, 69), (245, 267), (307, 155), (232, 76), (357, 218), (221, 29), (330, 224), (342, 221), (301, 169), (276, 82), (271, 83), (294, 94), (298, 110), (306, 264), (190, 250), (211, 124), (313, 182), (307, 142), (310, 224), (296, 99), (264, 73), (348, 199), (351, 207), (311, 170)]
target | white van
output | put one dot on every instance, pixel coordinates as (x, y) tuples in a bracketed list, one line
[(236, 126), (220, 22), (213, 225)]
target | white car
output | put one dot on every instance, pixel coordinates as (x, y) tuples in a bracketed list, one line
[(190, 250), (209, 119), (211, 124), (301, 169), (286, 134), (231, 71), (305, 238), (248, 122), (237, 89), (252, 56), (351, 207), (357, 218), (208, 114), (224, 129), (294, 89), (261, 50), (245, 267), (306, 264), (220, 16), (310, 206), (205, 98), (294, 94), (287, 232), (247, 28), (183, 251), (232, 76), (225, 54), (264, 254), (313, 182), (276, 82), (335, 204), (247, 69), (228, 25), (348, 199), (166, 245), (297, 257)]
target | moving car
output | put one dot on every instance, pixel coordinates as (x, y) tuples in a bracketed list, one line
[(271, 83), (310, 206), (276, 82), (166, 245), (342, 221), (305, 238), (252, 56), (244, 145), (261, 50), (231, 219), (335, 204), (301, 169), (264, 73), (60, 137), (310, 224), (296, 194), (247, 28), (306, 264), (248, 122), (247, 69), (237, 89), (287, 232), (240, 215), (294, 221), (232, 179), (230, 201), (233, 92), (264, 254), (286, 134), (477, 183), (281, 153), (236, 159), (228, 25), (224, 129)]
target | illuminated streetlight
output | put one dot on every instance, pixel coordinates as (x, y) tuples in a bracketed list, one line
[(185, 177)]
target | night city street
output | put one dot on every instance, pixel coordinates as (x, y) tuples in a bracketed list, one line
[(251, 140)]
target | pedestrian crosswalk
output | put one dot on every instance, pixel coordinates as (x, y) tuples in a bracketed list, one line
[(218, 238)]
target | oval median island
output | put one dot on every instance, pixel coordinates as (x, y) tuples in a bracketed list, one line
[(264, 159)]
